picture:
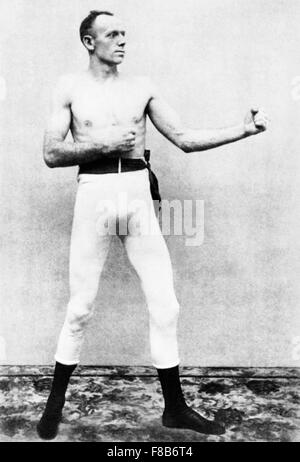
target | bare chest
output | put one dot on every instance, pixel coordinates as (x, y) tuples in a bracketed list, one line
[(118, 104)]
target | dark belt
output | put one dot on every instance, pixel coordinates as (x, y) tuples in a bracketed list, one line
[(112, 166), (126, 165)]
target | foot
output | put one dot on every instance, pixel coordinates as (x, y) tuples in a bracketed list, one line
[(47, 428), (191, 420)]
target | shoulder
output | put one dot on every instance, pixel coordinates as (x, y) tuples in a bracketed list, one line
[(64, 81), (65, 85), (145, 84)]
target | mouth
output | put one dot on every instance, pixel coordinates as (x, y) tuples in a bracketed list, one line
[(121, 52)]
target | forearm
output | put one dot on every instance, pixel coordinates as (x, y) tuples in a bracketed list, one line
[(67, 154), (201, 140)]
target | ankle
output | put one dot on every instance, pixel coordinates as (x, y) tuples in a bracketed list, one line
[(55, 404), (175, 408)]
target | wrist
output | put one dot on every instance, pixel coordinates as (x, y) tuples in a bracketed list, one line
[(102, 148), (247, 130)]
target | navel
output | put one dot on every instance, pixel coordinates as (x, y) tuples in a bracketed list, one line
[(88, 123)]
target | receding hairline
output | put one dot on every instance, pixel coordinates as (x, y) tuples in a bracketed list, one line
[(89, 22), (106, 19)]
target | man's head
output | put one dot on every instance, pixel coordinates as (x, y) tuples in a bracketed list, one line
[(103, 35)]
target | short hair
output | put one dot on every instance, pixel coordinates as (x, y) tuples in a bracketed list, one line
[(87, 23)]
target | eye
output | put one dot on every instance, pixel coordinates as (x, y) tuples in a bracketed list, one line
[(112, 34)]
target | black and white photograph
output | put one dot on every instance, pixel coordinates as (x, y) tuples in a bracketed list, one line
[(149, 223)]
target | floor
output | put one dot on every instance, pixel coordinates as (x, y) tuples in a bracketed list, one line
[(116, 404)]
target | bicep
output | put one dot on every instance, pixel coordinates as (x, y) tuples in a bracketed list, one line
[(165, 119), (59, 120), (59, 123)]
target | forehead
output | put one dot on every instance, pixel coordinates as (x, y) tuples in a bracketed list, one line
[(103, 23)]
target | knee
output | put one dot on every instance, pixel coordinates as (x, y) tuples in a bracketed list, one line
[(79, 313), (165, 316)]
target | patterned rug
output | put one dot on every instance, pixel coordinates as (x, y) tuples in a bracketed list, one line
[(124, 404)]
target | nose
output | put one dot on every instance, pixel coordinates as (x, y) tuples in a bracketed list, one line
[(121, 41)]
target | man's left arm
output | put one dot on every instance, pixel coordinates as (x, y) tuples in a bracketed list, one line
[(167, 122)]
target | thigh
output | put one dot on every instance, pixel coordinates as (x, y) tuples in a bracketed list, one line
[(88, 248), (149, 255)]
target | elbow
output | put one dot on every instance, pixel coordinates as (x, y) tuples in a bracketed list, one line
[(189, 146), (183, 142), (185, 148), (184, 145), (50, 159)]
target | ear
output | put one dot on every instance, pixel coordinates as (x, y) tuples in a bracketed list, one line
[(89, 42)]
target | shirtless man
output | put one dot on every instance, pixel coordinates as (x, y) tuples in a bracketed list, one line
[(106, 113)]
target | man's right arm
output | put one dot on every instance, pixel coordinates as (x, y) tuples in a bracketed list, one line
[(60, 153)]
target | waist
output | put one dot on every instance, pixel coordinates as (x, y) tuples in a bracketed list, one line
[(112, 165)]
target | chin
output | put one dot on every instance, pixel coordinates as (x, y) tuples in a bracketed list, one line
[(119, 60)]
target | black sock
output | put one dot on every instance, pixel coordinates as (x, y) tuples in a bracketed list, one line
[(61, 378), (177, 413), (171, 388), (48, 425)]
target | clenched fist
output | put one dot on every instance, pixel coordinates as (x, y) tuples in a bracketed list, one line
[(256, 121), (121, 139)]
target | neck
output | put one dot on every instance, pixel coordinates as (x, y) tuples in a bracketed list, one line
[(100, 70)]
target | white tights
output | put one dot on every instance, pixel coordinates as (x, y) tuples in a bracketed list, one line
[(99, 206)]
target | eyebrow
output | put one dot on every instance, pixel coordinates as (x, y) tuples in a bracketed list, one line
[(114, 31)]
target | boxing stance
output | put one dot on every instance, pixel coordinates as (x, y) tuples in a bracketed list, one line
[(106, 113)]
